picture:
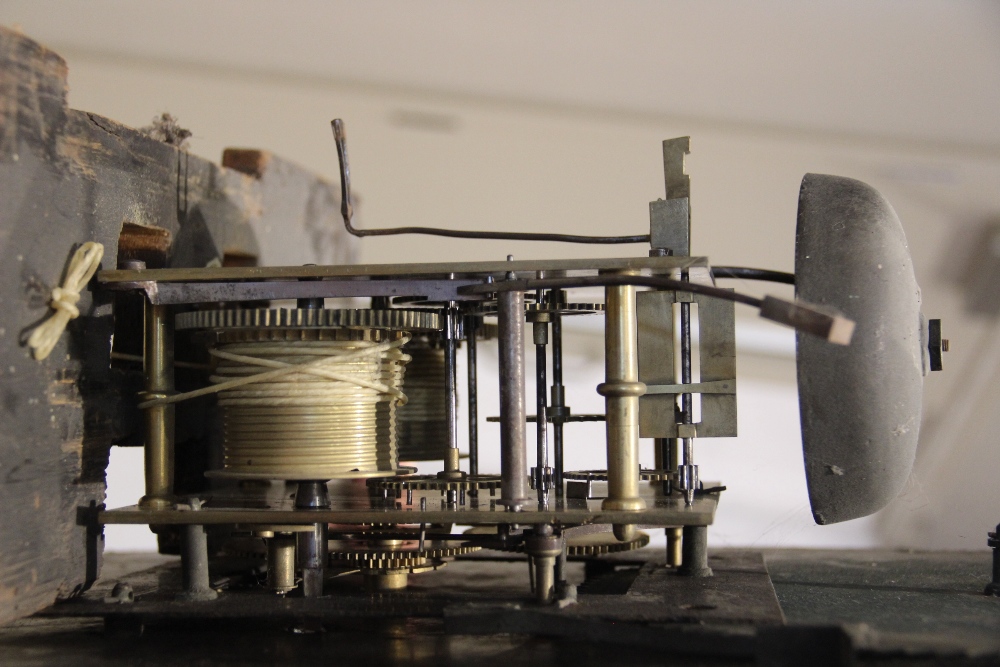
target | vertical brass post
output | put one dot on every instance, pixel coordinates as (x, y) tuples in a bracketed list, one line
[(543, 548), (666, 453), (674, 535), (621, 390), (194, 561), (158, 364), (694, 556), (311, 548), (281, 562)]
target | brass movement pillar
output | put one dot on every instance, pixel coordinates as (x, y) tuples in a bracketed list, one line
[(158, 364), (544, 548), (621, 390), (281, 562), (668, 458), (194, 561), (312, 546)]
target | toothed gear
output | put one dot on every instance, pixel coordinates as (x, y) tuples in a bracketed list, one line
[(591, 544), (376, 560), (397, 319), (602, 475), (435, 483), (597, 544), (394, 558), (363, 557), (531, 308), (416, 569), (564, 308)]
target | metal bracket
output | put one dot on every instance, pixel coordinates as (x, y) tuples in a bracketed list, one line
[(716, 351), (580, 489), (670, 218)]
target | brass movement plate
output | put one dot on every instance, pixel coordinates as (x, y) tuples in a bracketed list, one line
[(660, 511), (439, 269)]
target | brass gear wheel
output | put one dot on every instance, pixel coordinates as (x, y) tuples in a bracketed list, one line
[(533, 309), (435, 483), (427, 566), (397, 319), (363, 556), (597, 544), (374, 558), (564, 308), (580, 546), (645, 475)]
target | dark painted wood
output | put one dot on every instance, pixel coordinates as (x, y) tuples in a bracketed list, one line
[(67, 177)]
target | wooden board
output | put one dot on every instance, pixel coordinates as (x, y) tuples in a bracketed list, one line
[(67, 177)]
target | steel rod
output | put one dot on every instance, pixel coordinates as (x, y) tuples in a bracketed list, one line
[(689, 475), (694, 558), (472, 324), (450, 377), (194, 561), (540, 333), (158, 364), (558, 402), (671, 461), (312, 545), (543, 549), (744, 273), (347, 211), (513, 453)]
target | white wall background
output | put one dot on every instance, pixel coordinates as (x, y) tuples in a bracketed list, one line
[(519, 116)]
